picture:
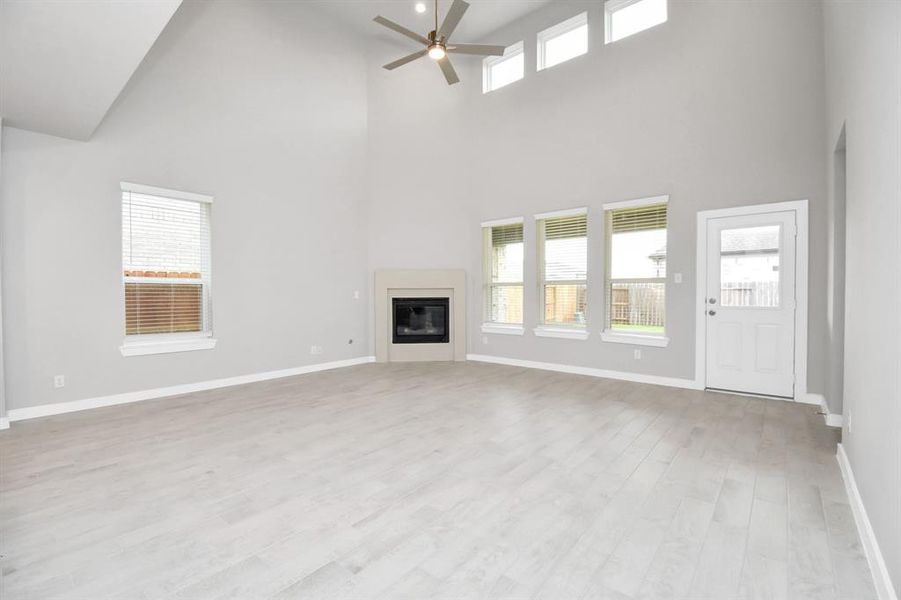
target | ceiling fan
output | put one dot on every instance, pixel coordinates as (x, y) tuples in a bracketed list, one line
[(437, 44)]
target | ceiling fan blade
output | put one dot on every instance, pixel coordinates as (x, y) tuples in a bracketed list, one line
[(480, 49), (409, 58), (401, 29), (452, 19), (448, 69)]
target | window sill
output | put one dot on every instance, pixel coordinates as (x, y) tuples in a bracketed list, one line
[(502, 329), (135, 348), (561, 332), (635, 339)]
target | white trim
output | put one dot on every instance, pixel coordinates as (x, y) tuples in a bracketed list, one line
[(801, 266), (560, 332), (132, 348), (832, 419), (649, 201), (489, 62), (813, 399), (171, 280), (748, 395), (499, 222), (502, 328), (636, 339), (555, 31), (568, 212), (46, 410), (881, 580), (613, 6), (4, 423), (675, 382), (164, 192)]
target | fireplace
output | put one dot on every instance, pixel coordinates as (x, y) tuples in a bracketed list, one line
[(420, 320), (420, 315)]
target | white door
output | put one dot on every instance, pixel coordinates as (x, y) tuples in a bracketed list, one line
[(750, 303)]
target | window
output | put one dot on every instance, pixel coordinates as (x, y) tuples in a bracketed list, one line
[(563, 41), (563, 265), (498, 71), (749, 266), (166, 270), (626, 17), (636, 270), (503, 268)]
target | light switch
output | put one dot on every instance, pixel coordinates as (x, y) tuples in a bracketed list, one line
[(677, 277)]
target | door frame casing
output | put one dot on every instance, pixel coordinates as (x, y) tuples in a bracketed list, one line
[(801, 264)]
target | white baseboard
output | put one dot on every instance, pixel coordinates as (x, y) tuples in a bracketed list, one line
[(676, 382), (46, 410), (815, 399), (4, 423), (881, 580), (832, 419)]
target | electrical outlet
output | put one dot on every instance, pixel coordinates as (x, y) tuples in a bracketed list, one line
[(59, 381), (637, 354), (677, 277), (356, 294), (315, 349)]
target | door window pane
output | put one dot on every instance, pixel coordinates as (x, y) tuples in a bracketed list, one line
[(749, 266)]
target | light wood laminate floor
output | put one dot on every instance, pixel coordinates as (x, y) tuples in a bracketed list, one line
[(430, 480)]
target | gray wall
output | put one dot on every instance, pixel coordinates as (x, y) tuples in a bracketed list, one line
[(262, 105), (2, 369), (720, 106), (863, 59)]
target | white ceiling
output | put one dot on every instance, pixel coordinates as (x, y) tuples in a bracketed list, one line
[(63, 64), (483, 16)]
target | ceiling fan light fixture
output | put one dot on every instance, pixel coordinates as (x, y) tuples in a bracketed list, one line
[(434, 44)]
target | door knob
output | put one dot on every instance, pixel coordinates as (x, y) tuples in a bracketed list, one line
[(712, 300), (711, 312)]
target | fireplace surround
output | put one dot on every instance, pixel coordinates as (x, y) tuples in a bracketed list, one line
[(420, 295)]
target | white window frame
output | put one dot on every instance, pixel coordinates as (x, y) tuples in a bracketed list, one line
[(608, 334), (487, 283), (611, 7), (163, 343), (557, 30), (490, 62), (570, 332)]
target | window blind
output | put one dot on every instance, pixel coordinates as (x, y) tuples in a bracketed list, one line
[(564, 260), (166, 264), (501, 235), (566, 248), (566, 227), (641, 218), (504, 264), (636, 271)]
